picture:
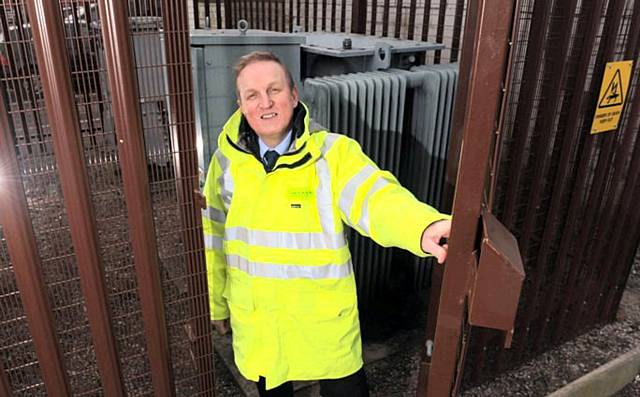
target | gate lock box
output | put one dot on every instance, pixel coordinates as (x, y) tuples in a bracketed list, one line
[(498, 279)]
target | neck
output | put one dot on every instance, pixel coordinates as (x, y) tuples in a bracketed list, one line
[(274, 141)]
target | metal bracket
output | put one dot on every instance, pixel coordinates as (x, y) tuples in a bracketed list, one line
[(498, 280)]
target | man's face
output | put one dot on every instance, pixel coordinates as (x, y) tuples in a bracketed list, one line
[(266, 100)]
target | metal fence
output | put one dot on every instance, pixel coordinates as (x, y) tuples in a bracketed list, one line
[(436, 21), (567, 195), (570, 197), (102, 276)]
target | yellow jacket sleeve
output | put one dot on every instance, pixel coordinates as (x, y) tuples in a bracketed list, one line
[(213, 221), (373, 202)]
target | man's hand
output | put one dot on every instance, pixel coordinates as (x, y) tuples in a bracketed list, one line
[(222, 326), (431, 236)]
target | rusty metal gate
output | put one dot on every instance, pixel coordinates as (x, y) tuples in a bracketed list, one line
[(102, 276), (568, 194)]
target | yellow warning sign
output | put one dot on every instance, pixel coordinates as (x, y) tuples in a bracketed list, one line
[(613, 93)]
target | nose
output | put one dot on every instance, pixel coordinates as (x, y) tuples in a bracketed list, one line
[(265, 101)]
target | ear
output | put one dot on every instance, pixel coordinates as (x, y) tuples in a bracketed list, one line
[(295, 96)]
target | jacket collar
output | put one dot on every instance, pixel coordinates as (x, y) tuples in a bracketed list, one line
[(239, 142)]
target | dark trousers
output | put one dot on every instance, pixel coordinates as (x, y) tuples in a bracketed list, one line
[(354, 385)]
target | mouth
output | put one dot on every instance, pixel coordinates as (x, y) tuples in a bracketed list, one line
[(268, 116)]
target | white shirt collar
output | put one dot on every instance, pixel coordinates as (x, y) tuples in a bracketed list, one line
[(281, 148)]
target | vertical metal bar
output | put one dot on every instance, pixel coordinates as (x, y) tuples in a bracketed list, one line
[(306, 15), (315, 15), (21, 244), (131, 151), (486, 71), (385, 18), (196, 14), (359, 16), (218, 14), (457, 30), (333, 15), (374, 16), (253, 13), (425, 20), (398, 26), (457, 121), (184, 141), (440, 31), (343, 16), (522, 122), (412, 19), (46, 24), (291, 15), (324, 15)]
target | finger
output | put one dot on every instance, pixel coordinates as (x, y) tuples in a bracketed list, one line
[(434, 249)]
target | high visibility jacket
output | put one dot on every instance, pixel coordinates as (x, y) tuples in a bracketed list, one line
[(277, 260)]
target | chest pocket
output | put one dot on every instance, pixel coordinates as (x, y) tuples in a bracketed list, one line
[(287, 201)]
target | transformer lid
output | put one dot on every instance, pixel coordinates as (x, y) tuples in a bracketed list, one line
[(202, 37), (361, 45)]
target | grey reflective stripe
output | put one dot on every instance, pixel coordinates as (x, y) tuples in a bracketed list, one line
[(214, 214), (364, 217), (225, 180), (329, 140), (348, 194), (212, 242), (324, 199), (270, 270), (315, 126), (285, 239)]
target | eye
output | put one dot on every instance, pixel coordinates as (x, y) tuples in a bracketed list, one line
[(251, 96)]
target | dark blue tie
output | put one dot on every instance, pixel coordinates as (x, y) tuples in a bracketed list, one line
[(270, 158)]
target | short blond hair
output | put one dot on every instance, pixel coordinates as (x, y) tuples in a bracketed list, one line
[(261, 56)]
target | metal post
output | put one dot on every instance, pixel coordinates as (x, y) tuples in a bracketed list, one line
[(196, 14), (183, 137), (21, 243), (359, 16), (485, 68), (52, 60), (131, 151)]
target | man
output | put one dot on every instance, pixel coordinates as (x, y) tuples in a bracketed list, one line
[(278, 192)]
